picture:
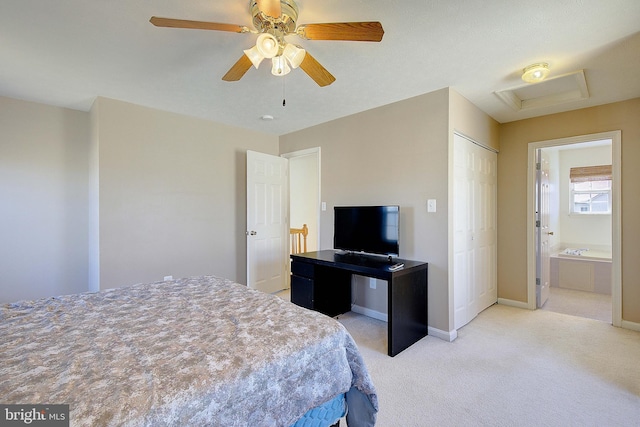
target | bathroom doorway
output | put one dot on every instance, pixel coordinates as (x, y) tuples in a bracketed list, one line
[(582, 234)]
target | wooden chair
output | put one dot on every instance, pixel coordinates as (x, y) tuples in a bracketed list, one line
[(299, 239)]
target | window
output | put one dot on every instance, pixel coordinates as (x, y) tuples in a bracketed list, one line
[(591, 189)]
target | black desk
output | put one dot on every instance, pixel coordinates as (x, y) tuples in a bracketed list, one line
[(321, 281)]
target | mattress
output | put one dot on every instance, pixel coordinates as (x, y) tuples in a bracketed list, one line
[(327, 414), (196, 351)]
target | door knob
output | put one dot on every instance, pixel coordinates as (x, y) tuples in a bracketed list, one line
[(550, 233), (251, 233)]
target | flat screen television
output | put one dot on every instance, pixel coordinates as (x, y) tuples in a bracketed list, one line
[(369, 229)]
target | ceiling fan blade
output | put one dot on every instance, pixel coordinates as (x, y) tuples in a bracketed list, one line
[(197, 25), (350, 31), (317, 72), (238, 70), (270, 7)]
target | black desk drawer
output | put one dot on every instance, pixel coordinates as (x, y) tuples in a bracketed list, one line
[(303, 269), (302, 291)]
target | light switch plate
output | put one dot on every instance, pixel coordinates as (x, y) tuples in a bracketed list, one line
[(431, 205)]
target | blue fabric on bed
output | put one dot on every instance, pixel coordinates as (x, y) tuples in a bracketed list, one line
[(324, 415)]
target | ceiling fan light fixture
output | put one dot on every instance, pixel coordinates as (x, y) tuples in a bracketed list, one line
[(273, 20), (294, 55), (254, 56), (267, 45), (279, 67), (535, 73)]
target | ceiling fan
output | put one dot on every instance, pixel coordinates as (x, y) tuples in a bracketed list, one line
[(273, 21)]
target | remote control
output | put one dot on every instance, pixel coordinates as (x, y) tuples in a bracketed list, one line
[(395, 267)]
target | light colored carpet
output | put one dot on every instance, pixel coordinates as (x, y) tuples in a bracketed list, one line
[(579, 303), (508, 367)]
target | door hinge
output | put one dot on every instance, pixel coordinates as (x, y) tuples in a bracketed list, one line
[(537, 223), (537, 281), (538, 166)]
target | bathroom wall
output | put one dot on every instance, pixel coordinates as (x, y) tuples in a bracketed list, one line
[(579, 230)]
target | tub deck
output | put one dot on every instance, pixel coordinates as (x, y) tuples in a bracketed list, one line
[(588, 271), (588, 254)]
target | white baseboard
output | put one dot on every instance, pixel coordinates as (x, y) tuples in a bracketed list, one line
[(443, 335), (512, 303), (630, 325), (369, 312), (449, 336), (437, 333)]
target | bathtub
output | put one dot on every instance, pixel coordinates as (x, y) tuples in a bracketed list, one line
[(582, 269), (583, 254)]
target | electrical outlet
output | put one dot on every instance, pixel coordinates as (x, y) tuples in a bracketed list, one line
[(168, 278)]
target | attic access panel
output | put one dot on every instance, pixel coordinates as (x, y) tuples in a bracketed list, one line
[(558, 90)]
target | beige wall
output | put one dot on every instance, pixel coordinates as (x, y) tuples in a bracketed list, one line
[(120, 195), (43, 200), (159, 187), (396, 154), (171, 194), (512, 190), (466, 118)]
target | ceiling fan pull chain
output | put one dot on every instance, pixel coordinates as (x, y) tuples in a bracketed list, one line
[(284, 101)]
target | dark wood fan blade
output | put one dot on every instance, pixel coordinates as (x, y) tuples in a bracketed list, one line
[(317, 72), (196, 25), (350, 31), (270, 7), (238, 70)]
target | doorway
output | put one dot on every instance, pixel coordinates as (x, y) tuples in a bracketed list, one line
[(567, 228), (304, 193)]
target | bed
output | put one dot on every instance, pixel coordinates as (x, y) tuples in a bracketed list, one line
[(197, 351)]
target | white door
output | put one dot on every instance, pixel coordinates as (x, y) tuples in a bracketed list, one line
[(475, 230), (267, 223), (542, 229)]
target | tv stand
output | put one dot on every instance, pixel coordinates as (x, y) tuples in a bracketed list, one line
[(321, 281)]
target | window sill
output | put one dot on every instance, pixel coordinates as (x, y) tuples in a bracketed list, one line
[(590, 214)]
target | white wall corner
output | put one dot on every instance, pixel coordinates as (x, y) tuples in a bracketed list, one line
[(443, 335), (513, 303)]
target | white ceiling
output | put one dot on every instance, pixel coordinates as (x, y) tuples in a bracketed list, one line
[(68, 52)]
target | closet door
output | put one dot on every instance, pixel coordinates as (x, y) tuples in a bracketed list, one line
[(475, 232)]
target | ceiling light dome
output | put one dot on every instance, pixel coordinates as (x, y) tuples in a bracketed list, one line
[(535, 73), (267, 45), (280, 67), (294, 55), (254, 56)]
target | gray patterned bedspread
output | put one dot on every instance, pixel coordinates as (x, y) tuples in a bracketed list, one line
[(191, 352)]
